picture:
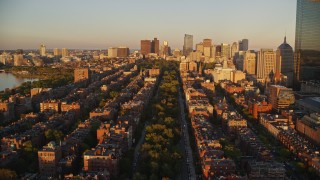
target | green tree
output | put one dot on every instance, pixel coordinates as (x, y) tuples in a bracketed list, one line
[(54, 135), (138, 176), (7, 174), (113, 94), (153, 177)]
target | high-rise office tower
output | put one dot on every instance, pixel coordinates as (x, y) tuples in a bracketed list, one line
[(207, 42), (4, 58), (249, 62), (42, 50), (177, 53), (145, 47), (266, 65), (112, 52), (155, 46), (199, 47), (123, 51), (285, 62), (208, 48), (56, 52), (307, 42), (243, 45), (18, 59), (165, 49), (64, 52), (218, 51), (213, 53), (225, 50), (234, 49), (188, 44)]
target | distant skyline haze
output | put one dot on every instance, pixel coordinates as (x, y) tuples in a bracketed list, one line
[(78, 24)]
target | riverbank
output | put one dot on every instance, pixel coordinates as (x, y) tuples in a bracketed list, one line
[(38, 72), (46, 77), (10, 81)]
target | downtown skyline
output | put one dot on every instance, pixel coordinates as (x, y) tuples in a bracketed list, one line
[(100, 25)]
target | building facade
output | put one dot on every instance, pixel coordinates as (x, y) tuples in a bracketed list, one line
[(64, 52), (225, 51), (42, 50), (155, 46), (49, 157), (56, 52), (266, 64), (280, 97), (310, 127), (244, 45), (188, 44), (123, 51), (113, 52), (145, 47), (307, 41), (81, 74), (234, 49), (249, 62), (285, 62)]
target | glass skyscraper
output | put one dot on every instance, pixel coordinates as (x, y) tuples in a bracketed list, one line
[(188, 44), (307, 42)]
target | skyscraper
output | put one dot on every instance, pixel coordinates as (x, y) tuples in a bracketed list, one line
[(218, 51), (285, 62), (307, 42), (148, 46), (207, 42), (266, 65), (249, 62), (165, 49), (145, 47), (155, 46), (112, 52), (225, 50), (234, 49), (207, 48), (56, 52), (64, 52), (243, 45), (42, 50), (123, 51), (188, 44), (199, 47)]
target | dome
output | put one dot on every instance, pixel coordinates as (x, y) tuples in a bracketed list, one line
[(285, 45)]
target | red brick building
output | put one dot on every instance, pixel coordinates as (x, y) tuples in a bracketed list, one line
[(50, 105), (256, 107), (233, 89), (154, 72), (103, 157), (310, 127), (81, 74), (49, 157)]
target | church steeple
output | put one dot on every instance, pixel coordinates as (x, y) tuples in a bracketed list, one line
[(224, 100)]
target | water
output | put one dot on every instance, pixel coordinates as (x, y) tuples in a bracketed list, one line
[(8, 80)]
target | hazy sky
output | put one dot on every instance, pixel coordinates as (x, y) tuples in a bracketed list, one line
[(101, 24)]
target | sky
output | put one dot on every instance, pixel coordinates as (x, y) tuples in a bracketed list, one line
[(100, 24)]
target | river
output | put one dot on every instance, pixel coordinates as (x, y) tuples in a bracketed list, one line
[(8, 80)]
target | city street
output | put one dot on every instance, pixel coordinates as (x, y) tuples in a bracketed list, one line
[(137, 151), (188, 169)]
